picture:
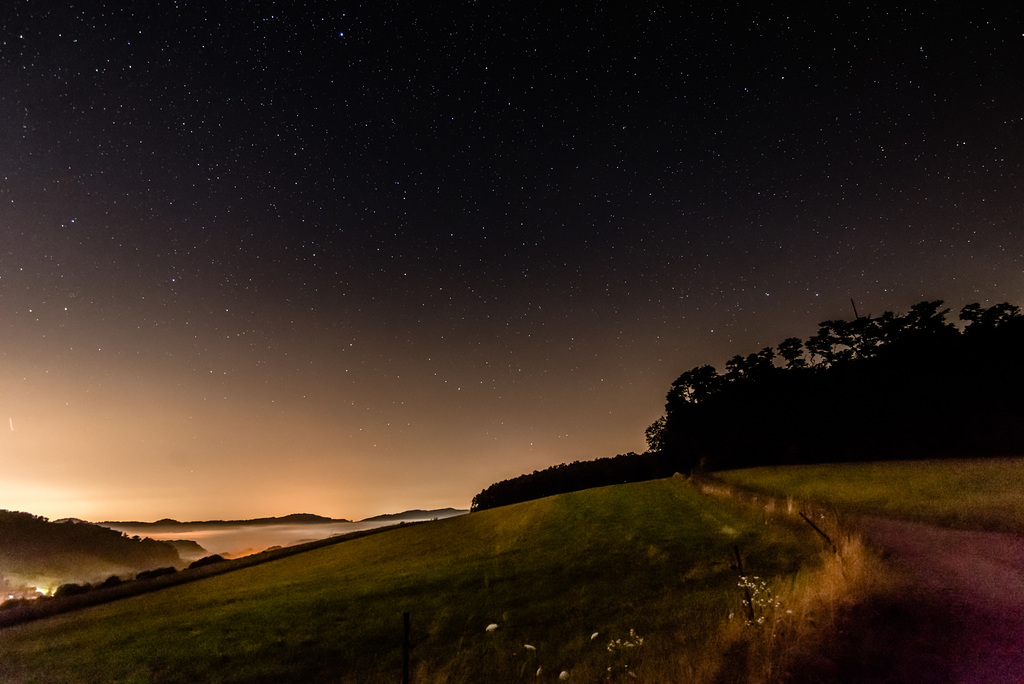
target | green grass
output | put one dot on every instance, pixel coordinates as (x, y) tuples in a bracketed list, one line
[(983, 494), (650, 556)]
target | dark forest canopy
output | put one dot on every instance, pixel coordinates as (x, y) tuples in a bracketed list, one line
[(874, 388)]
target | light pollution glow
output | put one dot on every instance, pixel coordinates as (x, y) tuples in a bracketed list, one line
[(251, 268)]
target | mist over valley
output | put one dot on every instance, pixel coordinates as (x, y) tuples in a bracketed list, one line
[(235, 538), (39, 556)]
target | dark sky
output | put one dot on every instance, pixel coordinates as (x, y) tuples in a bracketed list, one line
[(350, 258)]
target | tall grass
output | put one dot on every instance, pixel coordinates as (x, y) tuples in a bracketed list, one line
[(983, 494), (646, 564), (792, 618)]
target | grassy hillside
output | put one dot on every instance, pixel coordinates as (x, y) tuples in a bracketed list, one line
[(653, 557), (984, 494)]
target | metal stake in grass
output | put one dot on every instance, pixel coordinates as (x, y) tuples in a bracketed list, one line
[(818, 530)]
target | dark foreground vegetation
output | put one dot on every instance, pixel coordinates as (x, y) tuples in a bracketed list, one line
[(872, 388), (36, 551)]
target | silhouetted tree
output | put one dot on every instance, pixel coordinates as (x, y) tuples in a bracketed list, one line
[(695, 385), (836, 341), (926, 317), (655, 435), (867, 382), (891, 386), (791, 350), (985, 320), (750, 367)]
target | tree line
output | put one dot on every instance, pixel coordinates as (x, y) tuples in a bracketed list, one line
[(570, 477), (872, 388)]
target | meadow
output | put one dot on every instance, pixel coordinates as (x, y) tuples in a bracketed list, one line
[(977, 494), (599, 585)]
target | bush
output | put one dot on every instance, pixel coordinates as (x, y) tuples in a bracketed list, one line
[(112, 581), (71, 590), (208, 560), (158, 572)]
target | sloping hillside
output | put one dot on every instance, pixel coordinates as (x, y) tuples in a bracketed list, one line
[(651, 557), (37, 552)]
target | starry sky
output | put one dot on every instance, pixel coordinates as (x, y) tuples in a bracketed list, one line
[(352, 258)]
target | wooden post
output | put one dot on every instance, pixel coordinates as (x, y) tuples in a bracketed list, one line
[(746, 589), (406, 645)]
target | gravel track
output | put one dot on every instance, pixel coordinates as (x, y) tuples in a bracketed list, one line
[(957, 619)]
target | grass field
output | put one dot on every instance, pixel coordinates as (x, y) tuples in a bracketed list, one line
[(650, 557), (983, 494)]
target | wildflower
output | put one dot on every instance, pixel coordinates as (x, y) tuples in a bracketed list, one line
[(593, 636), (563, 675), (491, 627), (539, 670), (529, 647)]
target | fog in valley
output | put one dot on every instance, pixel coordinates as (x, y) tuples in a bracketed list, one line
[(232, 541)]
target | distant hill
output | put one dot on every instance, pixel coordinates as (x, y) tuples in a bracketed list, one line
[(170, 524), (418, 514)]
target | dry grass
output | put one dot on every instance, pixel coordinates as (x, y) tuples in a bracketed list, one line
[(793, 619)]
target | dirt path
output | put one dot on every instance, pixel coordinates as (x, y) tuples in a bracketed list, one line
[(959, 618)]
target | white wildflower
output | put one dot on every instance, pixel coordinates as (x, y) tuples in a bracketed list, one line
[(491, 627), (563, 675), (529, 647)]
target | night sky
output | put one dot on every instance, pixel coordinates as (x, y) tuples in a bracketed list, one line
[(352, 258)]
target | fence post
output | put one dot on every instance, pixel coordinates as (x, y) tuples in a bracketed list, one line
[(406, 645), (746, 589)]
